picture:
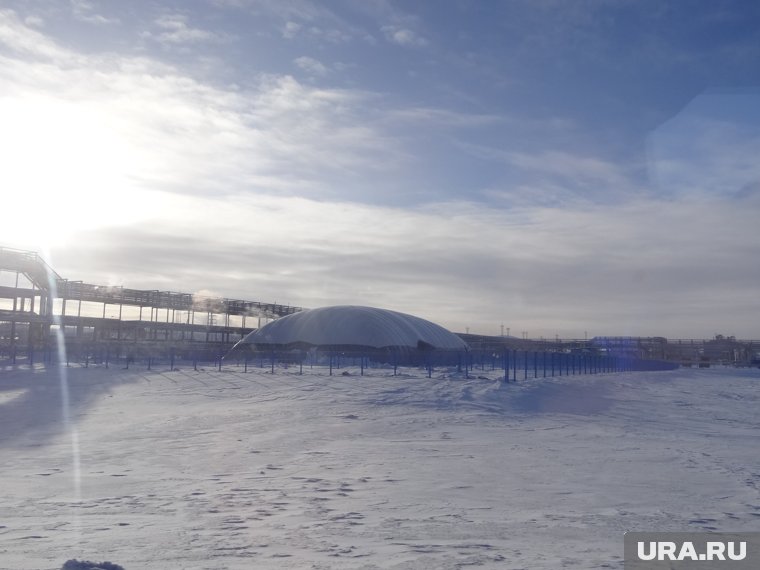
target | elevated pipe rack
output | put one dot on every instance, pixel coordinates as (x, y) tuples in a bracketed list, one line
[(37, 299)]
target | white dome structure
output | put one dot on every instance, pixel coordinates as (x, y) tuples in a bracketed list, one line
[(351, 327)]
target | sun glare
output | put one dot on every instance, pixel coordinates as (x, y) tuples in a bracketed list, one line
[(65, 169)]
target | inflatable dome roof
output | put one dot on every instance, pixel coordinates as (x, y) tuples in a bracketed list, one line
[(354, 326)]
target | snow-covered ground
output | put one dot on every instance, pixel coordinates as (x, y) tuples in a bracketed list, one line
[(233, 470)]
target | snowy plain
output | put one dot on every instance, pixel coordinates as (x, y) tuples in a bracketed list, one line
[(236, 470)]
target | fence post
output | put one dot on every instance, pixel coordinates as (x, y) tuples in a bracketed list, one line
[(544, 361), (514, 364)]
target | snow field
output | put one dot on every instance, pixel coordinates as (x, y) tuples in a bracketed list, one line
[(233, 470)]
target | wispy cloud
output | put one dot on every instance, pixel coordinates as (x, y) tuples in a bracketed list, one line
[(403, 36), (26, 42), (582, 169), (432, 116), (86, 11), (173, 29), (560, 176), (35, 21), (710, 147), (311, 66), (291, 29), (157, 128), (304, 19)]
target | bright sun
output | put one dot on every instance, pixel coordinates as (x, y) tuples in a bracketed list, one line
[(65, 169)]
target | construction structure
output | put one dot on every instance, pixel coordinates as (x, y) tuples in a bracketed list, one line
[(36, 303), (98, 322)]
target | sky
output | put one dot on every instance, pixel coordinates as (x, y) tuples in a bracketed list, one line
[(556, 168)]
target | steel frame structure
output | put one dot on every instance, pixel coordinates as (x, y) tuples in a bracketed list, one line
[(29, 318)]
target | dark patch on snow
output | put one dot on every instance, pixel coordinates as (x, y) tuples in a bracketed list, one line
[(88, 565)]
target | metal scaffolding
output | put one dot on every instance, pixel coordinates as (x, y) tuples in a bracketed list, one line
[(36, 302)]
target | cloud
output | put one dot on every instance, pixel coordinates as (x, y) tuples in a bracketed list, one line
[(278, 190), (28, 42), (84, 11), (403, 36), (175, 128), (565, 165), (174, 30), (35, 21), (291, 29), (560, 176), (331, 35), (647, 267), (710, 146), (432, 116), (107, 126), (336, 35), (302, 19), (311, 66)]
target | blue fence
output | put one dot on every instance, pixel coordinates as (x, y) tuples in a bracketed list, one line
[(508, 364)]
